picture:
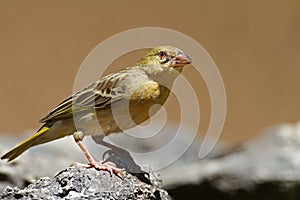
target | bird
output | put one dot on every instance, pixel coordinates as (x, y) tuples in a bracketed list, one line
[(116, 102)]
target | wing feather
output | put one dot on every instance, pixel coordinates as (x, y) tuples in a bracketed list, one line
[(97, 95)]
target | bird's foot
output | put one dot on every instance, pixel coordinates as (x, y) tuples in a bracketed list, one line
[(107, 166)]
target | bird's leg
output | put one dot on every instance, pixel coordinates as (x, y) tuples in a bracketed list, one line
[(110, 167)]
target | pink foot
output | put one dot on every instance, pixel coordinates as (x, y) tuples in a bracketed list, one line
[(108, 166)]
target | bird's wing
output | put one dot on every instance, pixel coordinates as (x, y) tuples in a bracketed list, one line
[(126, 84), (97, 95)]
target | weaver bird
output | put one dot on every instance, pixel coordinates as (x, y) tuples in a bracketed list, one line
[(117, 102)]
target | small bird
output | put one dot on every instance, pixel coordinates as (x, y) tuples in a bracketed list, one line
[(117, 101)]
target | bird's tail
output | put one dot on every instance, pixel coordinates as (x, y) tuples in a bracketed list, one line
[(37, 138)]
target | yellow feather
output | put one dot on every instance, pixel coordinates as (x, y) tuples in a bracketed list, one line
[(20, 148)]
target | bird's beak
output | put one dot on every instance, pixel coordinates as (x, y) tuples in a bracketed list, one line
[(182, 59)]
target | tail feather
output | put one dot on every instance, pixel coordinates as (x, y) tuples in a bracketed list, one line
[(31, 141)]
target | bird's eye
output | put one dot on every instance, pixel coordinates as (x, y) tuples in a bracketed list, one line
[(162, 54)]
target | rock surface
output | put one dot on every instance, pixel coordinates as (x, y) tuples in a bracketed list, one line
[(81, 183), (265, 168)]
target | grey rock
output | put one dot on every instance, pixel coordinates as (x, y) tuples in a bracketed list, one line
[(81, 183), (265, 168)]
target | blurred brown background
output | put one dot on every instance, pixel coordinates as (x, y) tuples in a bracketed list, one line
[(255, 44)]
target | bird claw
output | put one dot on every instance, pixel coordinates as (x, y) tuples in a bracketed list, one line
[(108, 166)]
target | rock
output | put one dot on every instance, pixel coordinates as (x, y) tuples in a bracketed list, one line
[(81, 183), (265, 168)]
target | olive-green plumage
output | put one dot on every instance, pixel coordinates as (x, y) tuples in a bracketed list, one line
[(108, 100)]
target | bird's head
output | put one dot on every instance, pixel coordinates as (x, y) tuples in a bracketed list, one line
[(164, 58)]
